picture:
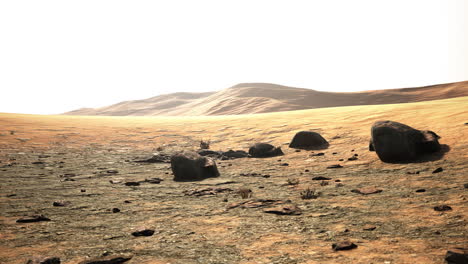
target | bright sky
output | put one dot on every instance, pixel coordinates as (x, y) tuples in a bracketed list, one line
[(57, 56)]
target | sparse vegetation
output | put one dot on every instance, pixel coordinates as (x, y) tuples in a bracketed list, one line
[(244, 193), (309, 193), (204, 144)]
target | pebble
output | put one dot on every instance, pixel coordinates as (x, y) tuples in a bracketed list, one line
[(143, 232), (32, 219), (442, 208), (438, 170), (344, 245), (334, 166)]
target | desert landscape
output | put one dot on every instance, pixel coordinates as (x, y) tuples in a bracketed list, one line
[(102, 198)]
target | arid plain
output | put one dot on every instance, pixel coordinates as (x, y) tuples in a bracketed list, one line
[(75, 158)]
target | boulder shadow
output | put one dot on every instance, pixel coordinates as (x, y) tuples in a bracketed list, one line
[(444, 148)]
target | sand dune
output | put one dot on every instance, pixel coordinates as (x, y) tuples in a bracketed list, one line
[(250, 98)]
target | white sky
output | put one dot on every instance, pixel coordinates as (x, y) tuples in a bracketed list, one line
[(57, 56)]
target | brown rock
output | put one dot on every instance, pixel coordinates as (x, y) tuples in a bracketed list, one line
[(107, 260), (44, 260), (366, 190), (344, 245), (143, 232), (456, 256), (32, 219), (442, 208), (284, 210)]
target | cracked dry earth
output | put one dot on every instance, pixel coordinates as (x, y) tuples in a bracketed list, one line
[(74, 159)]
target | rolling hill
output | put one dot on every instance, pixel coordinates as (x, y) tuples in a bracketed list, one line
[(250, 98)]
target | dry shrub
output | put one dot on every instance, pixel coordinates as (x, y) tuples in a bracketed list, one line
[(309, 194)]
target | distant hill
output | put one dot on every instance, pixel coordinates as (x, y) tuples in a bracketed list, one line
[(250, 98)]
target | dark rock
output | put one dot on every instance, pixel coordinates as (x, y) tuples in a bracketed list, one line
[(438, 170), (44, 260), (32, 219), (115, 210), (334, 166), (284, 210), (412, 172), (396, 142), (83, 190), (442, 208), (284, 164), (317, 154), (341, 160), (132, 184), (189, 166), (264, 150), (154, 180), (366, 190), (465, 185), (156, 158), (306, 170), (112, 171), (456, 256), (334, 153), (344, 245), (352, 158), (420, 190), (266, 176), (127, 201), (61, 203), (38, 162), (308, 140), (143, 232), (206, 191), (107, 260), (321, 178)]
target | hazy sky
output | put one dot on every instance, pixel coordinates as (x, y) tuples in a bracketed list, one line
[(57, 56)]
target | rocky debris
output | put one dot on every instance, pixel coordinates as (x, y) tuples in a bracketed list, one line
[(112, 171), (396, 142), (189, 166), (321, 178), (132, 183), (254, 203), (254, 174), (115, 210), (44, 260), (438, 170), (206, 191), (235, 154), (107, 260), (343, 245), (38, 162), (442, 208), (284, 164), (369, 227), (465, 185), (83, 190), (154, 180), (156, 158), (353, 158), (420, 190), (288, 209), (143, 232), (317, 154), (264, 150), (61, 203), (457, 256), (334, 166), (366, 190), (308, 140), (32, 219)]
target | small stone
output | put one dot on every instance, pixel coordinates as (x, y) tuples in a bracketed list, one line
[(32, 219), (318, 154), (154, 180), (334, 166), (83, 190), (420, 190), (456, 256), (442, 208), (112, 171), (44, 260), (366, 190), (321, 178), (337, 180), (465, 185), (60, 203), (306, 170), (344, 245), (266, 176), (352, 158), (339, 184), (284, 164), (107, 260), (369, 227), (284, 210), (132, 184), (127, 201), (143, 232), (297, 150), (115, 210), (334, 153), (438, 170)]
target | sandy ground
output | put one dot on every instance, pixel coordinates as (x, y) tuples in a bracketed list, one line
[(50, 158)]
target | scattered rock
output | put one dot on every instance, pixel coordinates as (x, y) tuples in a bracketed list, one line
[(420, 190), (334, 166), (396, 142), (334, 153), (112, 171), (32, 219), (456, 256), (366, 190), (38, 162), (254, 203), (189, 166), (115, 210), (317, 154), (369, 227), (438, 170), (206, 191), (132, 184), (44, 260), (284, 164), (442, 208), (284, 210), (107, 260), (143, 232), (306, 170), (154, 180), (244, 193), (264, 150), (344, 245), (83, 190), (352, 158), (465, 185), (156, 158), (321, 178), (115, 181), (235, 154), (61, 203), (308, 140)]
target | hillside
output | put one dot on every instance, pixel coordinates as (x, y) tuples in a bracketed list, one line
[(251, 98)]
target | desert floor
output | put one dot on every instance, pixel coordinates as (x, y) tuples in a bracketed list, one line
[(74, 158)]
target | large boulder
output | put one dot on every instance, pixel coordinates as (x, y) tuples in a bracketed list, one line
[(308, 140), (396, 142), (263, 150), (190, 166)]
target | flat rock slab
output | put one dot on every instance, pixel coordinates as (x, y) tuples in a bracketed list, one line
[(442, 208), (343, 245), (366, 190), (334, 166), (143, 232), (321, 178), (107, 260), (284, 210), (32, 219), (457, 256)]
